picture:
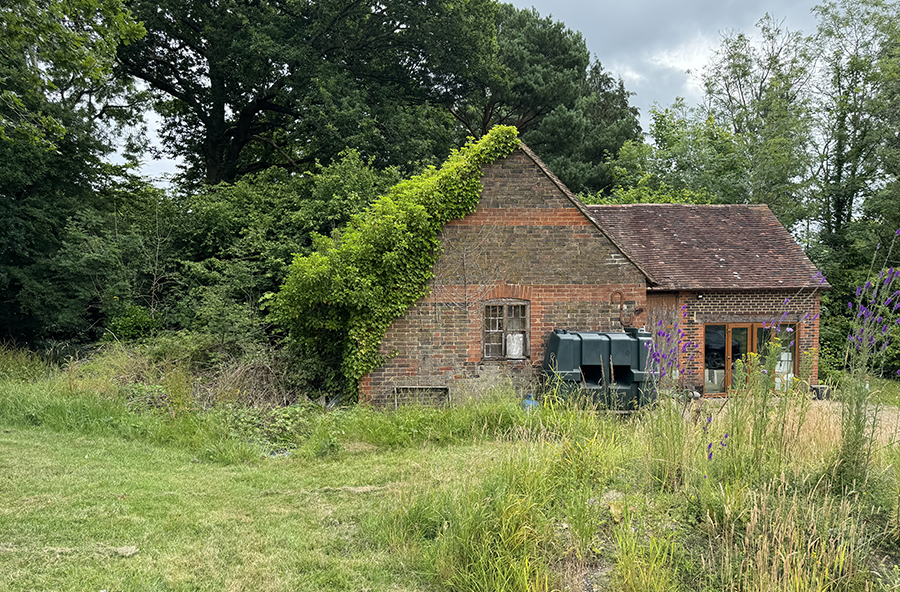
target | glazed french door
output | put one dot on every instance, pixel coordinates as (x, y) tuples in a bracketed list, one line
[(725, 344)]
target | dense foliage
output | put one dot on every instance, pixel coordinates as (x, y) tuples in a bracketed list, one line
[(290, 118), (338, 301), (567, 108), (243, 86)]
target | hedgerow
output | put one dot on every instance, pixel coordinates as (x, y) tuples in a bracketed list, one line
[(338, 302)]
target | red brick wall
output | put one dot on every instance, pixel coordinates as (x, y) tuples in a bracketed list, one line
[(527, 241), (763, 306)]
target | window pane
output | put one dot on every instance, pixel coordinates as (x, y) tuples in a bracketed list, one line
[(493, 350), (493, 345), (505, 331), (515, 346), (714, 359), (493, 331), (493, 316)]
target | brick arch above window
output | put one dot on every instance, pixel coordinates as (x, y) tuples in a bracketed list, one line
[(509, 291), (506, 329)]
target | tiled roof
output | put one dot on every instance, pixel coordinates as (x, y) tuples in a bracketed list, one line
[(709, 247)]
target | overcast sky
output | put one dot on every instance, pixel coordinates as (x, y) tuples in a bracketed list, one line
[(651, 44)]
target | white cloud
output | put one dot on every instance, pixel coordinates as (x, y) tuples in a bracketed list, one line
[(689, 55)]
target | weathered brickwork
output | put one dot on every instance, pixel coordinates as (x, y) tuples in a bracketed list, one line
[(531, 247), (780, 306), (527, 243)]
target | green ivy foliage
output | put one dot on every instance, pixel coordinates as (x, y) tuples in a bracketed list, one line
[(338, 302)]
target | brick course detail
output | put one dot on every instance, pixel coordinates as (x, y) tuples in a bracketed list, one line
[(532, 242), (526, 242)]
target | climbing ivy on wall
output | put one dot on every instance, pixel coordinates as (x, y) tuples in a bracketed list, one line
[(338, 302)]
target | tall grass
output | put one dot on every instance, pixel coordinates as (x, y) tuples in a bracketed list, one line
[(124, 391), (877, 314), (791, 539), (683, 495)]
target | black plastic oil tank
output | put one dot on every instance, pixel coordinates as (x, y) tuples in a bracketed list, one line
[(609, 368)]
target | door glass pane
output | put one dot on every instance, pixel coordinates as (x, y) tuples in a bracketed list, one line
[(763, 339), (714, 359), (784, 370), (787, 352), (740, 346), (740, 340)]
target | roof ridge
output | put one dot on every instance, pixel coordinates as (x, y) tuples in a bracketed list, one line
[(582, 208)]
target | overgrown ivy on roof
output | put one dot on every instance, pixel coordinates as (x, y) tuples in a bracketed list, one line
[(341, 299)]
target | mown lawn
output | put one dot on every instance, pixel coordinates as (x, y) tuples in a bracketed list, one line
[(103, 513)]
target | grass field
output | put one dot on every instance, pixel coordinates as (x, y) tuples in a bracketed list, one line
[(114, 479), (92, 513)]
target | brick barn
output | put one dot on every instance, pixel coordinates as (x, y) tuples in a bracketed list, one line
[(533, 258)]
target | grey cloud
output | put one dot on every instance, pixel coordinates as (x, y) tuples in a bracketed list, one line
[(629, 37)]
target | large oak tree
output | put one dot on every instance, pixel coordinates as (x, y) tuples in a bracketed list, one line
[(243, 85)]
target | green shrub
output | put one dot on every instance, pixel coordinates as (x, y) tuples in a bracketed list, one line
[(338, 302), (134, 322)]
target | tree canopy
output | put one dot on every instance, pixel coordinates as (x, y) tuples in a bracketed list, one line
[(542, 81), (51, 50), (242, 86)]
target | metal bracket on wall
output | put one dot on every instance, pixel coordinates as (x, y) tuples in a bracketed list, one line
[(629, 319)]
